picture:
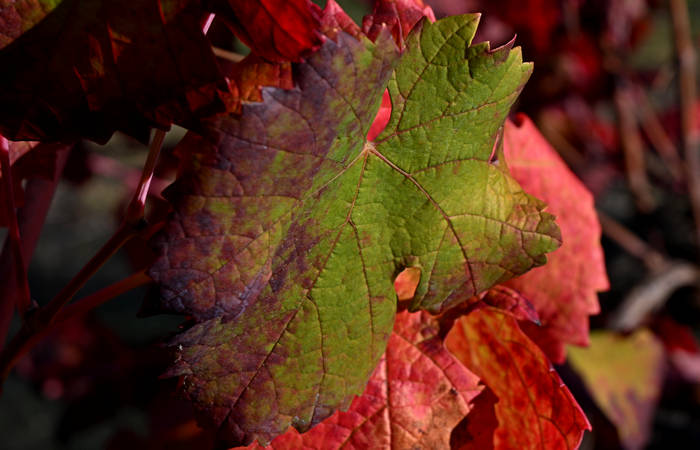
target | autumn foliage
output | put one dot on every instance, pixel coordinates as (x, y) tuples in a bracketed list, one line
[(368, 252)]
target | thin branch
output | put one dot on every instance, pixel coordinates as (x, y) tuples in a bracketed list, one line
[(23, 300), (633, 148), (134, 212), (629, 241), (657, 135), (651, 295), (688, 99), (206, 23), (26, 339), (31, 217), (45, 315), (665, 277), (132, 226), (227, 55)]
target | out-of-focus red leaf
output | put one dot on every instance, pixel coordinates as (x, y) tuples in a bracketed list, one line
[(624, 375), (681, 347), (417, 394), (91, 67), (534, 409), (275, 30), (578, 265), (399, 16)]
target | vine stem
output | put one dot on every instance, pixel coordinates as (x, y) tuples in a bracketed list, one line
[(132, 226), (688, 99), (26, 339), (31, 217), (23, 300)]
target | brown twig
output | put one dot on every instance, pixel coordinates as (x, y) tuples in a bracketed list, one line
[(134, 211), (633, 148), (227, 55), (688, 99), (632, 244), (650, 295), (665, 277), (657, 135)]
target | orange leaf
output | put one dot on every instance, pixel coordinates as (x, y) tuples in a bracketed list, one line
[(534, 409)]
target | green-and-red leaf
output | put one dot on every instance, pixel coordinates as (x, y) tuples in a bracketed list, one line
[(415, 397), (290, 228)]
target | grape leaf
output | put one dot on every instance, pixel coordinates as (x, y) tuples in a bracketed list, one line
[(400, 16), (18, 16), (578, 265), (289, 227), (247, 77), (414, 398), (534, 409), (95, 66), (275, 30), (624, 375)]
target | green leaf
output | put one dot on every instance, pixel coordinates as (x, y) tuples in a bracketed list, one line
[(289, 227)]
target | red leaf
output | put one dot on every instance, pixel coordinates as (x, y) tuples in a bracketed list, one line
[(382, 118), (275, 30), (535, 410), (400, 16), (564, 291), (249, 76), (334, 19), (475, 432), (415, 397), (681, 346), (92, 67)]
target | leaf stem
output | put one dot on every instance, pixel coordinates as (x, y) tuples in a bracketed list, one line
[(26, 339), (227, 55), (30, 217), (132, 226), (134, 212), (23, 300), (688, 99), (633, 149)]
